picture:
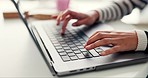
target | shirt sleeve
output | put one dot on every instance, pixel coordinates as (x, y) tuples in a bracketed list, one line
[(146, 50), (142, 40), (118, 8)]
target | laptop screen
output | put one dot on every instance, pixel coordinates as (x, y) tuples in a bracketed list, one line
[(22, 17), (20, 11)]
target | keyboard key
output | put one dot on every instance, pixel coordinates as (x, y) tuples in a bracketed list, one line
[(83, 49), (64, 45), (98, 49), (74, 58), (70, 42), (74, 48), (73, 39), (58, 47), (66, 48), (71, 36), (60, 50), (94, 53), (77, 37), (63, 53), (77, 51), (78, 44), (69, 51), (76, 41), (83, 42), (56, 44), (80, 56), (71, 54), (87, 55), (72, 45), (65, 58), (80, 39), (80, 47), (65, 38)]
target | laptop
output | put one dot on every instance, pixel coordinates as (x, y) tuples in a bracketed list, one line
[(65, 54)]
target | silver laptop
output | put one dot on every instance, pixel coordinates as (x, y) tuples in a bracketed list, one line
[(65, 54)]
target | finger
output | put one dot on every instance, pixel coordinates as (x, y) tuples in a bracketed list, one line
[(99, 36), (110, 51), (66, 20), (54, 16), (59, 18), (100, 32), (88, 39), (80, 22), (96, 37), (93, 34), (103, 42), (68, 12), (65, 13)]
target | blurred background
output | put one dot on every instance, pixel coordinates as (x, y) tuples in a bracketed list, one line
[(49, 7)]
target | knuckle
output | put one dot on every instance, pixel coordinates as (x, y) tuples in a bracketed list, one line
[(67, 18), (99, 35), (97, 32), (115, 49), (94, 45), (89, 41), (66, 12), (108, 52), (106, 41)]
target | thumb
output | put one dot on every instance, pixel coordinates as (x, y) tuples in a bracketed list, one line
[(54, 16), (80, 22)]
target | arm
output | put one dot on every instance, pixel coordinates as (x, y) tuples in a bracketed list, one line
[(123, 7), (136, 41), (117, 9)]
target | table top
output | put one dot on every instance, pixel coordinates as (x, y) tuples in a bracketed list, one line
[(20, 57)]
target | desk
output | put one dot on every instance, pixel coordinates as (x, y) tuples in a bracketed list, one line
[(19, 56)]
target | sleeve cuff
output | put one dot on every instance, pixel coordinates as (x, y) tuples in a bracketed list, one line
[(142, 40), (100, 19)]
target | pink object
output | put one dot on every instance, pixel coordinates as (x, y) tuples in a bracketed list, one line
[(62, 4)]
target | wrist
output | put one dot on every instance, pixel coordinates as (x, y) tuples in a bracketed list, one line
[(96, 15)]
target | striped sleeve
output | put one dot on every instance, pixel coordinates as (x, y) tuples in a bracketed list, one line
[(146, 50), (118, 8)]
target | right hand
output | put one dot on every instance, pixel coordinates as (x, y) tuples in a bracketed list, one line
[(82, 19)]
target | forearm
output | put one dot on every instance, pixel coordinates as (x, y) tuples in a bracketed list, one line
[(117, 9)]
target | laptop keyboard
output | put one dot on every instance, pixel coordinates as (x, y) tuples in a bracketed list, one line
[(70, 46)]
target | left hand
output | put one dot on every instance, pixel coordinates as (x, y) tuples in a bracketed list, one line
[(120, 41)]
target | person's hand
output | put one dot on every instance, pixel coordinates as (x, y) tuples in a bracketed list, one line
[(120, 41), (86, 19)]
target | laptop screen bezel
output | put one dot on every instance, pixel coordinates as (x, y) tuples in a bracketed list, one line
[(29, 28)]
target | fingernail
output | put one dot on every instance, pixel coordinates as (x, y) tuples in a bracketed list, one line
[(85, 45), (62, 33), (74, 24), (57, 23), (102, 53), (60, 18), (88, 47)]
